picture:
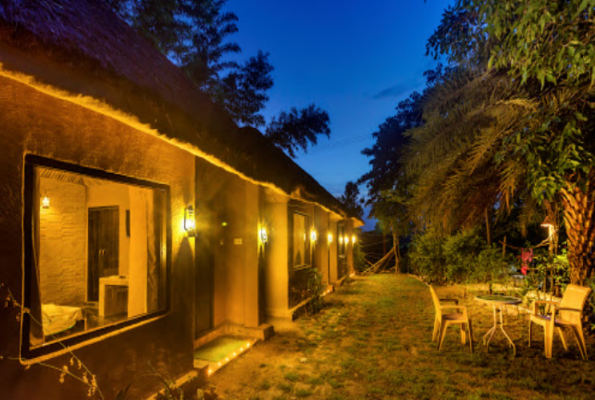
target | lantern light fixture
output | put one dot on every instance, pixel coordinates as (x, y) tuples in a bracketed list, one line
[(551, 228), (45, 202), (330, 238), (263, 235), (313, 236), (190, 221)]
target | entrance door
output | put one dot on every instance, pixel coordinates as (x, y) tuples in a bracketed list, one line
[(104, 239)]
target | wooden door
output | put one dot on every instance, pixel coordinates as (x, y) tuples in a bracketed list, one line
[(104, 239)]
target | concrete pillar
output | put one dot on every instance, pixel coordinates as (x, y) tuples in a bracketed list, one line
[(321, 250), (276, 290), (333, 250), (251, 292)]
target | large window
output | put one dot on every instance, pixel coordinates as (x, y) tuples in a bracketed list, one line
[(301, 240), (97, 251)]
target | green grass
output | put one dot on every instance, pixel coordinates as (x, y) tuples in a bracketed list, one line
[(373, 340)]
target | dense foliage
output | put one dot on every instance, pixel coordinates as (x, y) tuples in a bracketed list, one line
[(506, 126), (195, 35)]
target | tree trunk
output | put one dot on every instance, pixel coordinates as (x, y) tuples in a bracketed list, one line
[(578, 218), (489, 234), (395, 245)]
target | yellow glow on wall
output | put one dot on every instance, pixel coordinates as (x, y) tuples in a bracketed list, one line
[(45, 202), (346, 240), (353, 239), (189, 221), (313, 236), (341, 239), (330, 238)]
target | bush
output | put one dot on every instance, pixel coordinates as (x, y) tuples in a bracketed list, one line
[(462, 257), (359, 261)]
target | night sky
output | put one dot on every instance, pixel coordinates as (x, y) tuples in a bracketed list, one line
[(354, 59)]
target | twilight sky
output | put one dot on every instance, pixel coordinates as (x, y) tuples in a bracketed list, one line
[(356, 59)]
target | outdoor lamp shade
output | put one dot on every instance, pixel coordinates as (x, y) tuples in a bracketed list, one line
[(189, 221), (45, 202)]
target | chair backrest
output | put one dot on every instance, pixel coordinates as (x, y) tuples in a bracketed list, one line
[(575, 297), (436, 300)]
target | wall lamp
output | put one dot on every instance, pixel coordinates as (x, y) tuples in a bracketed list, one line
[(45, 202), (190, 221), (263, 235), (313, 236), (353, 239), (330, 238)]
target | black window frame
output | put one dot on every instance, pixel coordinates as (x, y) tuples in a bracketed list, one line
[(32, 161)]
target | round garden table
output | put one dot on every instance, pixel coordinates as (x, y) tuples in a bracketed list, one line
[(498, 303)]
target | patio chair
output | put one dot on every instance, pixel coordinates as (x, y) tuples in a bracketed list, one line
[(567, 314), (443, 320)]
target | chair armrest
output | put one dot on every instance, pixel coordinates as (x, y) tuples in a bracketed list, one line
[(456, 301), (556, 309)]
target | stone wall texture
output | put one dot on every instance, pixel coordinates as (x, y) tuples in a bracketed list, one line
[(63, 238)]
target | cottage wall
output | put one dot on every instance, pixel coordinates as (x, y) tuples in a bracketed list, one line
[(34, 123)]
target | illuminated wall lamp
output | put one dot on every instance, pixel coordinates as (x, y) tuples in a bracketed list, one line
[(341, 239), (190, 221), (45, 202), (353, 239), (330, 238), (263, 235), (313, 236)]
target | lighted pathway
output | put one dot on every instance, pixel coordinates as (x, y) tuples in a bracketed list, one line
[(373, 341)]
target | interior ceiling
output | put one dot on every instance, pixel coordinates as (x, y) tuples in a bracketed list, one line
[(70, 177)]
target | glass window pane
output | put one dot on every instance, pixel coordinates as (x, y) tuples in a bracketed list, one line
[(99, 253)]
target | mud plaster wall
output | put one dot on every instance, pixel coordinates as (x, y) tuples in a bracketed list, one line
[(31, 122), (63, 243)]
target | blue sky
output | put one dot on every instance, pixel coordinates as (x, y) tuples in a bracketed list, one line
[(354, 59)]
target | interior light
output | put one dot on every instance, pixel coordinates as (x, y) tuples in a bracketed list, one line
[(45, 202), (189, 221)]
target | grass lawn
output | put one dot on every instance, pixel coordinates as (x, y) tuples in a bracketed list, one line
[(373, 341)]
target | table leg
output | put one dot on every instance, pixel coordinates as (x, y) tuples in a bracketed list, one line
[(491, 332), (505, 334), (488, 336)]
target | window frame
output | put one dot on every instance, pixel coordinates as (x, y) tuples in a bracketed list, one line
[(32, 161)]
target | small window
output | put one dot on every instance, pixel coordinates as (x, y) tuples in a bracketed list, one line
[(97, 254), (301, 240)]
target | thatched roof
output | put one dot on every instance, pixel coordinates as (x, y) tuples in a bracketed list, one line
[(82, 48)]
